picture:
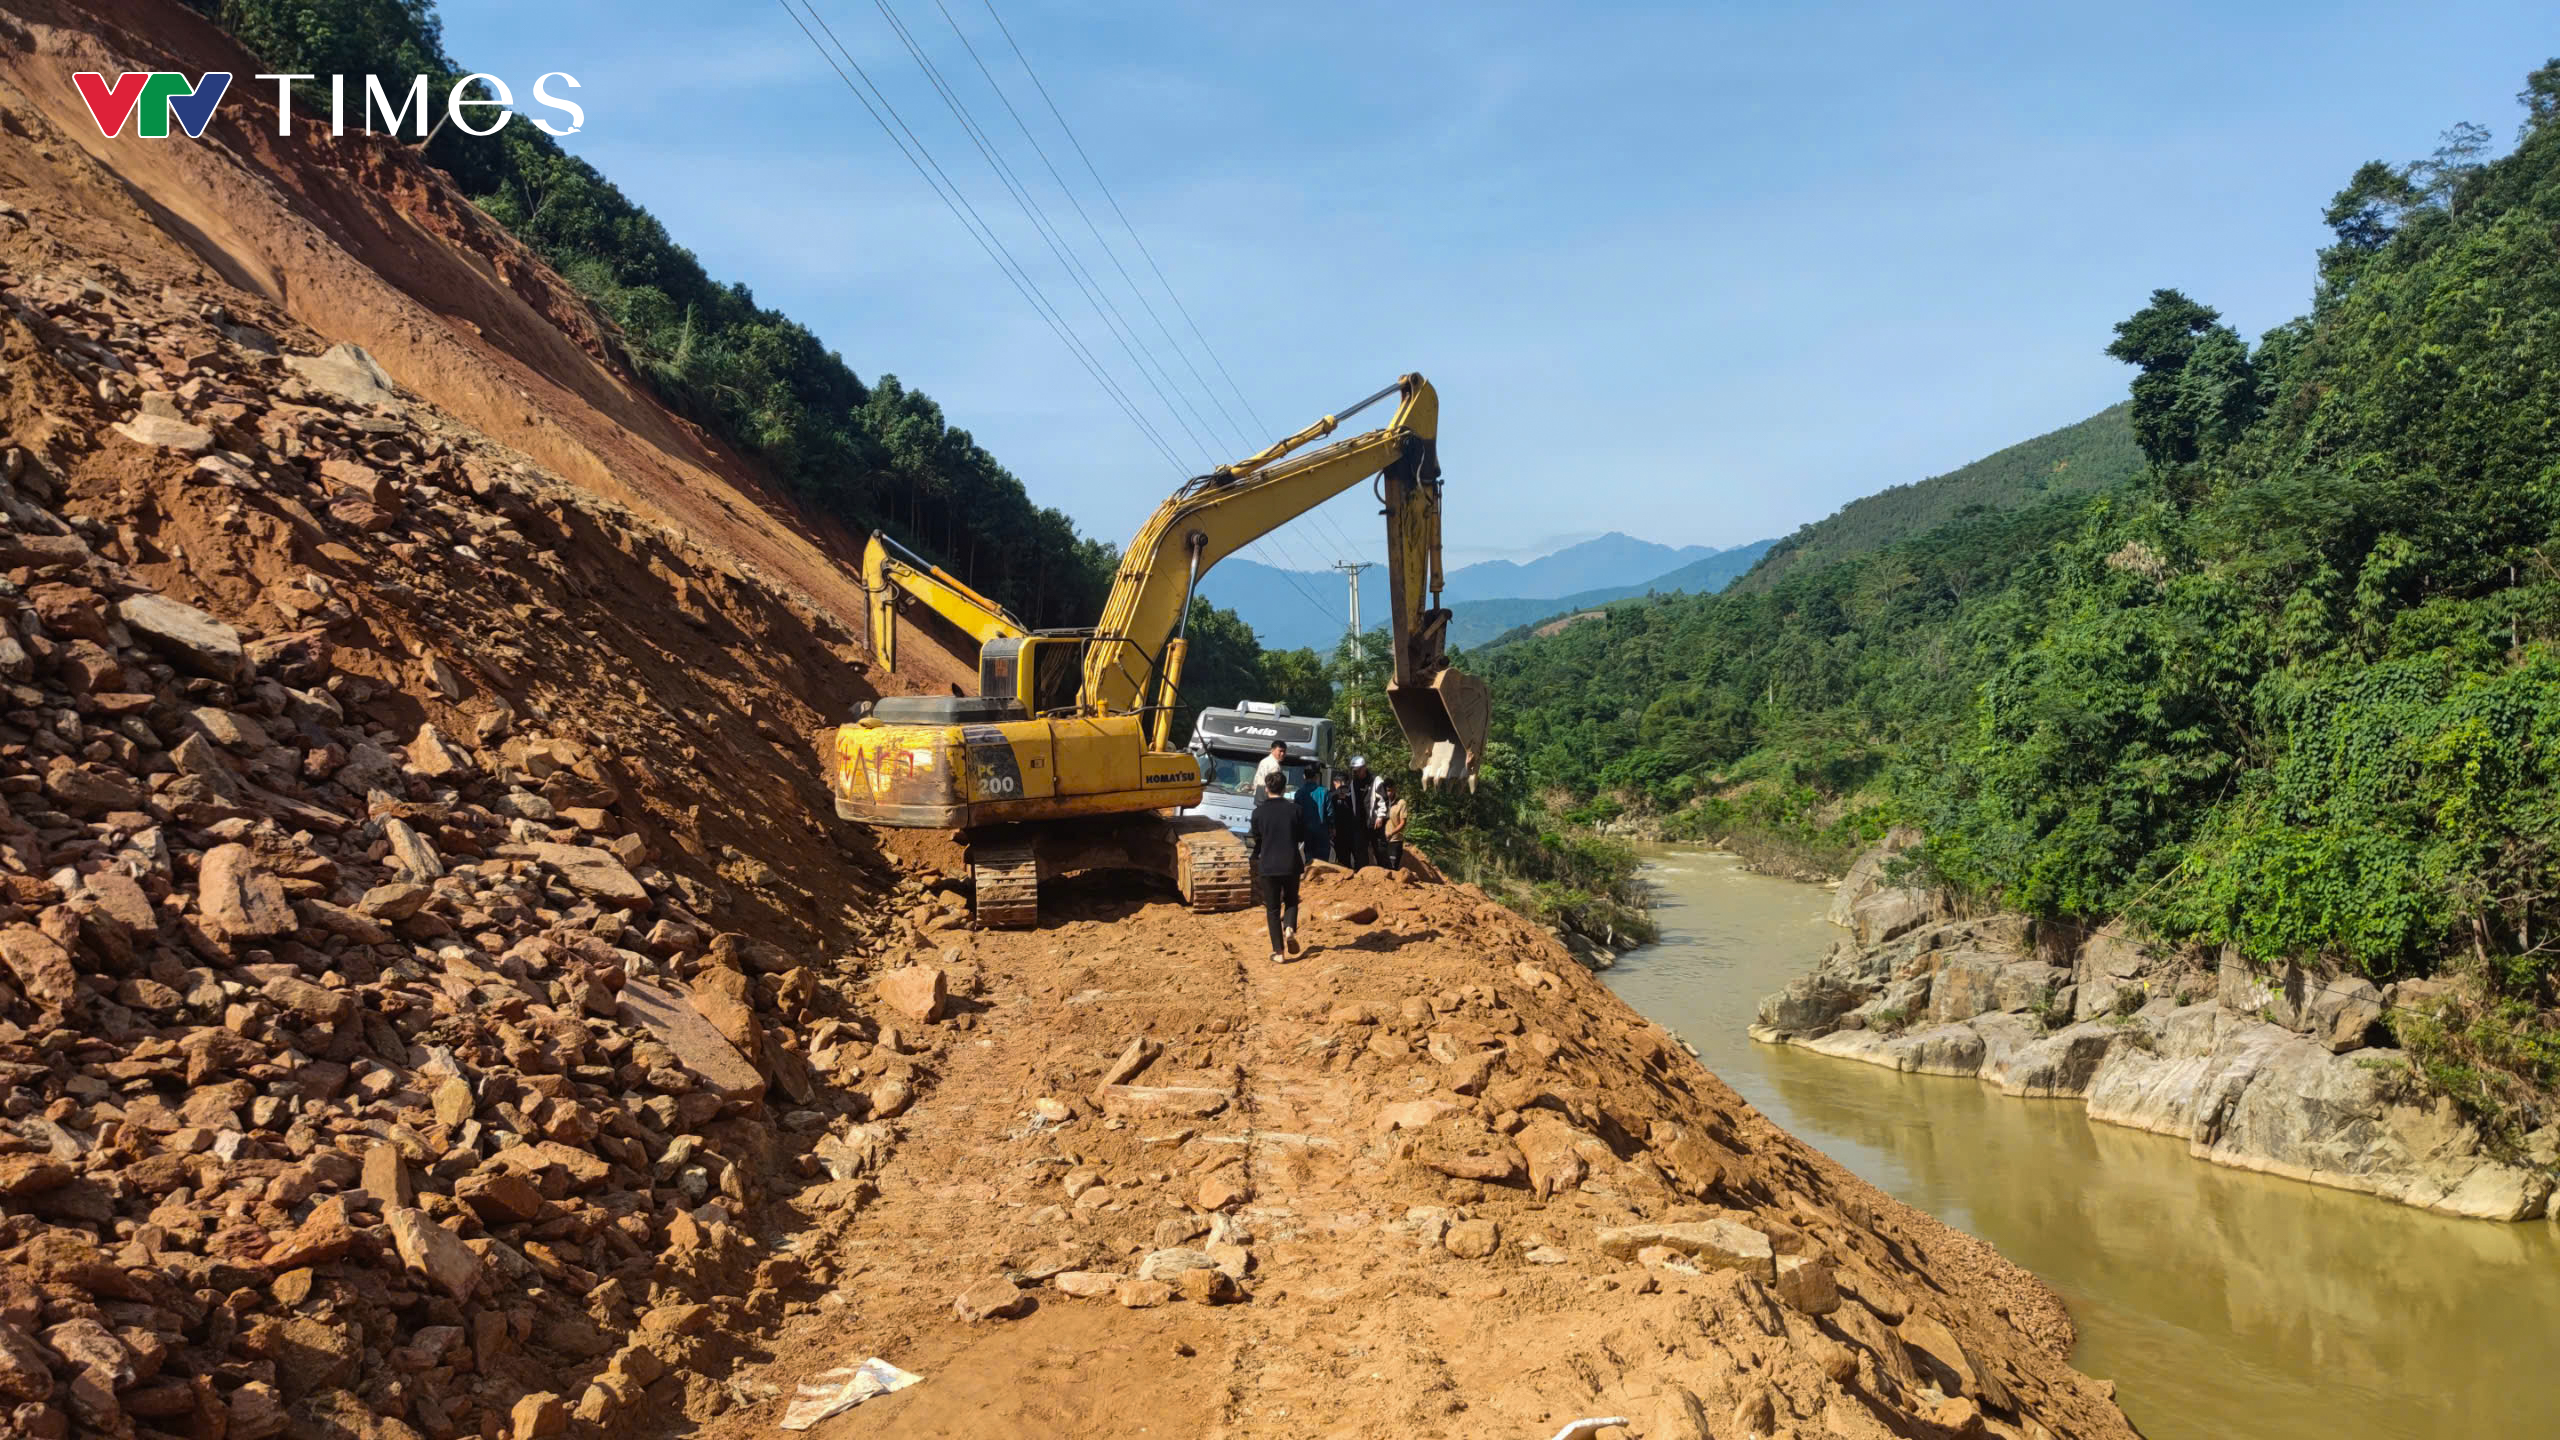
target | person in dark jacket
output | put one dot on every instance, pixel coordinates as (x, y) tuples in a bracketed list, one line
[(1343, 819), (1311, 808), (1278, 830), (1364, 798)]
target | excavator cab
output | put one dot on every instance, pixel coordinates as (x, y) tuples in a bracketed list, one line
[(1042, 671)]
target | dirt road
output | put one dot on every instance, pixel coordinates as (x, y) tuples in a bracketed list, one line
[(1421, 1136)]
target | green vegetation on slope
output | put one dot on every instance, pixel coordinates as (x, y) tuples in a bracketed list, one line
[(1744, 713), (2096, 454), (2296, 690), (1501, 834)]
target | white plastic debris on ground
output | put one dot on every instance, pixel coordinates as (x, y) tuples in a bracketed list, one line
[(839, 1390), (1583, 1429)]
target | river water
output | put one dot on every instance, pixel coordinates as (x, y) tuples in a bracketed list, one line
[(2223, 1304)]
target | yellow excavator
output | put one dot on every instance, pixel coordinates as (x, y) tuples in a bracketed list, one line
[(1064, 759), (890, 570)]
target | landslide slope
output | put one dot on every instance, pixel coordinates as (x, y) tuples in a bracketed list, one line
[(364, 242), (437, 1001)]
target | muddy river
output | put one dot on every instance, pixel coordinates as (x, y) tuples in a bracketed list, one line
[(2222, 1304)]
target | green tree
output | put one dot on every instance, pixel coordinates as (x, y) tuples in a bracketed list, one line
[(2364, 216), (2197, 388), (1222, 665), (396, 40), (1297, 679), (2158, 340), (2540, 98)]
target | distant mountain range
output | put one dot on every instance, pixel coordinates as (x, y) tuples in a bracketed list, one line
[(1292, 608), (1608, 560), (1474, 624)]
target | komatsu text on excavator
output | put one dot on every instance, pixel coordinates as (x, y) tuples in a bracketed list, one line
[(1064, 760)]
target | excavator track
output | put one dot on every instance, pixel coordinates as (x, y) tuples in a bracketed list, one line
[(1214, 871), (1007, 879)]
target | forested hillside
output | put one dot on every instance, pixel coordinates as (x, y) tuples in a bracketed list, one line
[(2095, 454), (2296, 689)]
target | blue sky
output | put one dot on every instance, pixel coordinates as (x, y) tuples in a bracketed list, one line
[(1696, 273)]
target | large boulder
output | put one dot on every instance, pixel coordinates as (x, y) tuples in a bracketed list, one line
[(237, 900), (2190, 1063), (1874, 910), (1898, 1006), (2253, 1095), (2112, 952), (2342, 1011), (185, 636), (1811, 1004), (2059, 1065), (597, 874), (2352, 1122), (2276, 994), (1974, 982), (1940, 1050), (2112, 971), (348, 373)]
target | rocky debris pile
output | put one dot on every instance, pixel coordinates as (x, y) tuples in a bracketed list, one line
[(2272, 1070), (370, 1069)]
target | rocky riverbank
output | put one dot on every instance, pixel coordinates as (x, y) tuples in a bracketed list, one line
[(2286, 1072)]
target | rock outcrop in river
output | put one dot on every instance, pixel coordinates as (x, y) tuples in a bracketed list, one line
[(2289, 1074)]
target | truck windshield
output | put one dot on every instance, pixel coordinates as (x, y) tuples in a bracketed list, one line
[(1231, 775)]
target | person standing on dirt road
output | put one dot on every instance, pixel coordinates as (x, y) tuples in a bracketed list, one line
[(1364, 799), (1311, 808), (1341, 818), (1278, 830), (1393, 816)]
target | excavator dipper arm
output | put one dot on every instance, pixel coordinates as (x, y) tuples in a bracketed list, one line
[(890, 569), (1135, 653)]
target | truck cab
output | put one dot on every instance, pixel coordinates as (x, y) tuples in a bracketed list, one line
[(1229, 745)]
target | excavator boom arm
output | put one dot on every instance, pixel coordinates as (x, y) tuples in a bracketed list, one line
[(1443, 713), (889, 569)]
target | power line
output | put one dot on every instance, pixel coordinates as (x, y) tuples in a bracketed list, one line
[(1040, 224), (954, 198), (957, 202), (1101, 184), (1113, 255), (1289, 577)]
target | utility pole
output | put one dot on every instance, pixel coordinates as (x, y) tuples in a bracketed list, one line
[(1351, 569)]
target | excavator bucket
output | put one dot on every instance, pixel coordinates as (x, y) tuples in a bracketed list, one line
[(1445, 724)]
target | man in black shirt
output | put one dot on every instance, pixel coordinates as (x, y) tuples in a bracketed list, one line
[(1279, 829), (1363, 800), (1345, 820)]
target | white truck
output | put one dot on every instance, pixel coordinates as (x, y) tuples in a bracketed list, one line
[(1229, 745)]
